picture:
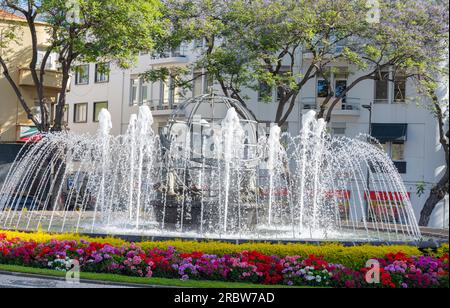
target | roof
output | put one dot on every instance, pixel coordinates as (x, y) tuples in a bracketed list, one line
[(10, 16)]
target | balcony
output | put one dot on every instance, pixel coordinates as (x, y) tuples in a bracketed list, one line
[(348, 107), (160, 108), (333, 52), (52, 79), (173, 57)]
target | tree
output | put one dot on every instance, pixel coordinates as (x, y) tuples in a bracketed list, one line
[(80, 31), (407, 39), (261, 43), (435, 87)]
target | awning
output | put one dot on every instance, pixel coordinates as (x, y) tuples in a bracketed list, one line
[(386, 132), (29, 133)]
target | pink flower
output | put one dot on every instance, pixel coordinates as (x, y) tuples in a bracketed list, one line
[(137, 260)]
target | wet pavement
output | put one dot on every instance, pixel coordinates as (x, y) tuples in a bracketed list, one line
[(10, 280)]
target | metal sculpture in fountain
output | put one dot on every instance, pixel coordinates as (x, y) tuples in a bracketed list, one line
[(211, 152)]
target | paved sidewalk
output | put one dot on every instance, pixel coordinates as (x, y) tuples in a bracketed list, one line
[(15, 280)]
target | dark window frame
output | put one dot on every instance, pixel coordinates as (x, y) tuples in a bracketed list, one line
[(93, 111), (77, 75), (326, 88), (97, 74), (75, 112)]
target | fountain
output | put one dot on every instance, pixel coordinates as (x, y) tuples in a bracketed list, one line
[(214, 173)]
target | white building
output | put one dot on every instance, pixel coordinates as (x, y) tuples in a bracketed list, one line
[(409, 132)]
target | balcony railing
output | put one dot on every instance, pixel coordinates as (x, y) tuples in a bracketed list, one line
[(156, 104), (175, 56), (347, 106), (391, 101), (169, 54)]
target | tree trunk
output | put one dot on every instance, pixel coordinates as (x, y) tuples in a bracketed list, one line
[(288, 112), (437, 193)]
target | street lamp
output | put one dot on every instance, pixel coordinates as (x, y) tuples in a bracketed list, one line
[(369, 108)]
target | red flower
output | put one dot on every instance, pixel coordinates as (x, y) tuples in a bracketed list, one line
[(399, 256)]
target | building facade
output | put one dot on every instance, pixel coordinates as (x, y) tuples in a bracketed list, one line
[(388, 110), (14, 123)]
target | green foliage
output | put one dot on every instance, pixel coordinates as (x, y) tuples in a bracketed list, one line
[(106, 30), (420, 188), (84, 31), (253, 43)]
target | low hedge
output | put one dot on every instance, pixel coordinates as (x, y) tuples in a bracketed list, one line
[(352, 257)]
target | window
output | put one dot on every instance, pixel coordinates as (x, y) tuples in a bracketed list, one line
[(174, 94), (399, 88), (145, 93), (66, 114), (338, 128), (209, 83), (197, 84), (50, 64), (101, 72), (265, 92), (80, 113), (82, 74), (396, 151), (382, 87), (155, 94), (134, 91), (340, 86), (97, 108), (322, 88), (165, 94), (36, 110), (390, 88)]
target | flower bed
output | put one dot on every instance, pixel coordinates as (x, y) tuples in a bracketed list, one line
[(398, 270), (353, 257)]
